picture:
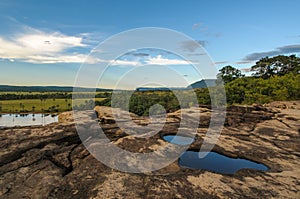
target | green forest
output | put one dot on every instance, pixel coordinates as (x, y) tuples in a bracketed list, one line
[(274, 79)]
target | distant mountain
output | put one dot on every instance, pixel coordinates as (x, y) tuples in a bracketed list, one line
[(199, 84), (152, 89), (159, 88), (7, 88), (204, 83)]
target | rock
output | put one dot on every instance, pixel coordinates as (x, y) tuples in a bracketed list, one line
[(51, 161), (66, 117)]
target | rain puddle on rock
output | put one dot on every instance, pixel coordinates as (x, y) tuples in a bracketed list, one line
[(217, 163), (179, 140), (212, 161)]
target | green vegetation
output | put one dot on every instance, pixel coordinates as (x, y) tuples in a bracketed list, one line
[(228, 74), (46, 102), (279, 65), (40, 105), (249, 90), (51, 95), (275, 78)]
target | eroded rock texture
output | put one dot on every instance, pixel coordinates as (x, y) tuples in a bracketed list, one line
[(51, 161)]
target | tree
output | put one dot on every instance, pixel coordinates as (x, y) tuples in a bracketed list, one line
[(42, 104), (278, 65), (66, 100), (228, 74), (33, 109)]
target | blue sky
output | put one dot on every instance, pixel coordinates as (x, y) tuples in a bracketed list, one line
[(44, 42)]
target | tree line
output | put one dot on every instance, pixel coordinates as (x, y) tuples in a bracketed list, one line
[(51, 95)]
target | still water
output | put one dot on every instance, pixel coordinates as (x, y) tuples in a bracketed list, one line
[(11, 120), (217, 162), (212, 161), (179, 140)]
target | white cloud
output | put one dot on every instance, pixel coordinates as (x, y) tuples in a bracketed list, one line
[(39, 47), (35, 46), (159, 60), (126, 63), (76, 58), (49, 43)]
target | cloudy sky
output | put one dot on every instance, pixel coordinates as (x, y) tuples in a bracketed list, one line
[(45, 42)]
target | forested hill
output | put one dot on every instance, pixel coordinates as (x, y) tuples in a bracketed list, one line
[(7, 88)]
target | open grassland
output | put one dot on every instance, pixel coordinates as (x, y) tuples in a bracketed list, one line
[(38, 106)]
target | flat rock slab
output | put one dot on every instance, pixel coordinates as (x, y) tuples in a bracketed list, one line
[(51, 161)]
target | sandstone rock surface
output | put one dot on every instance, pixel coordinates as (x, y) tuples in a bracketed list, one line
[(51, 161)]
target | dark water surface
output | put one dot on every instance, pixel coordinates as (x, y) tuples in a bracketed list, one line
[(217, 162), (212, 161)]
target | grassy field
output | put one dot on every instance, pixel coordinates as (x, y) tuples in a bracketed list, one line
[(38, 106)]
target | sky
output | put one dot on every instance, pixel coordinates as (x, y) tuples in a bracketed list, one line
[(46, 42)]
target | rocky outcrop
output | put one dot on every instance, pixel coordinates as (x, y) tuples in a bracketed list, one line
[(51, 161)]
